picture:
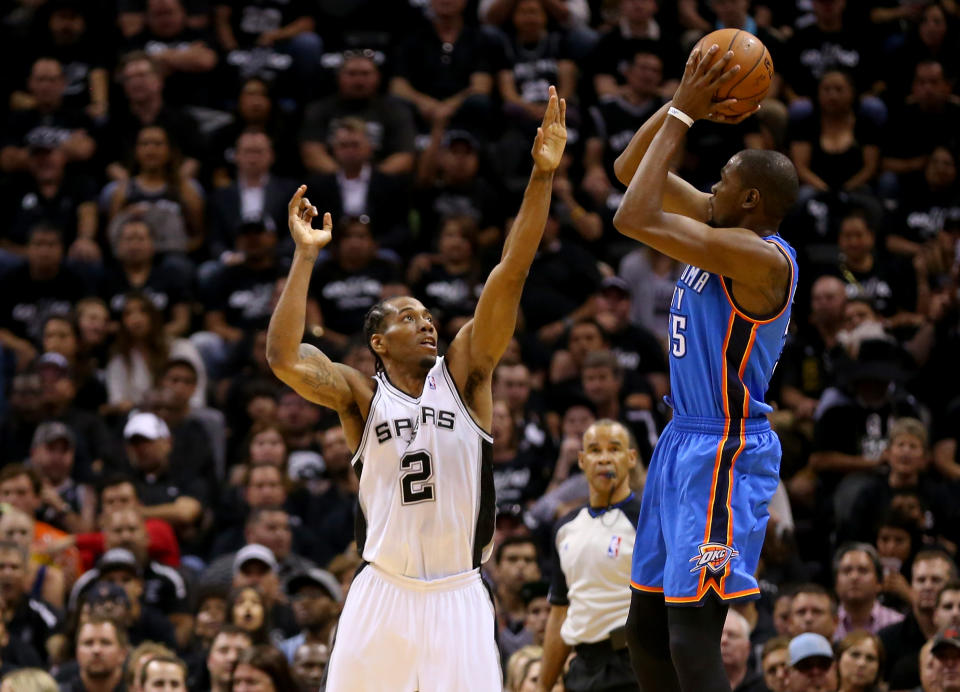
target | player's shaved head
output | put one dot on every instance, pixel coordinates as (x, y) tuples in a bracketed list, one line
[(773, 175)]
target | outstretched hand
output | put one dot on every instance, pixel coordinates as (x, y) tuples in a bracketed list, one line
[(701, 79), (551, 135), (300, 220)]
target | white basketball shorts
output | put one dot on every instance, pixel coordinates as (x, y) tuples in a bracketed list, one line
[(406, 635)]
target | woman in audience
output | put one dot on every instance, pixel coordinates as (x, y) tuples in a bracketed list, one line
[(262, 668), (861, 660), (248, 610)]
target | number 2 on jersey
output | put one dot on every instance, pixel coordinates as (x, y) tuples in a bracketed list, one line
[(678, 340), (416, 469)]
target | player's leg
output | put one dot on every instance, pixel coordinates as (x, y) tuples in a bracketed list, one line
[(459, 646), (375, 646), (695, 645), (648, 639)]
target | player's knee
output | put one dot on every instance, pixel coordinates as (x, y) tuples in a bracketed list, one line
[(645, 636)]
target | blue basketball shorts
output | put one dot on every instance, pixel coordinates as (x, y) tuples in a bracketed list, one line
[(704, 511)]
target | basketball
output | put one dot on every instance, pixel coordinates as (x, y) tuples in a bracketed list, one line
[(751, 84)]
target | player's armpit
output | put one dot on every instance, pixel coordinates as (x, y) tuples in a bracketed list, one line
[(736, 253)]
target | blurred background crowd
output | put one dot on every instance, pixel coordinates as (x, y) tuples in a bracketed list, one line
[(165, 497)]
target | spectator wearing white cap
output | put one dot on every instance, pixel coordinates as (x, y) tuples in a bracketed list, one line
[(316, 597), (255, 565), (812, 665), (168, 492)]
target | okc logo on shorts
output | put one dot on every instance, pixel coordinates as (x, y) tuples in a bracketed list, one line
[(614, 548), (713, 556)]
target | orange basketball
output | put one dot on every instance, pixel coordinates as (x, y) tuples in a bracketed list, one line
[(749, 85)]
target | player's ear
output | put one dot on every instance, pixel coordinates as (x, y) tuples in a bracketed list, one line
[(376, 343), (752, 199)]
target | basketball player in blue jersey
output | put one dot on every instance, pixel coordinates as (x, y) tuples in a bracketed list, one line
[(418, 616), (716, 466)]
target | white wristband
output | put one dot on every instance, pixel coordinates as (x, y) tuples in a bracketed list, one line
[(681, 116)]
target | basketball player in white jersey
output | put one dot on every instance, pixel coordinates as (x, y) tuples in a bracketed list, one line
[(418, 616)]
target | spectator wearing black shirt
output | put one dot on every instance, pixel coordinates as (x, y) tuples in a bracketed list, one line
[(357, 188), (273, 39), (68, 505), (449, 183), (67, 33), (239, 297), (101, 648), (139, 269), (829, 43), (387, 120), (932, 37), (118, 594), (516, 563), (47, 195), (346, 285), (928, 203), (528, 60), (520, 476), (562, 280), (931, 571), (255, 194), (168, 489), (616, 118), (183, 53), (142, 81), (928, 114), (443, 68), (29, 620), (448, 283), (31, 292), (47, 120)]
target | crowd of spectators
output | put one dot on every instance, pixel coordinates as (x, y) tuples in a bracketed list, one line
[(173, 517)]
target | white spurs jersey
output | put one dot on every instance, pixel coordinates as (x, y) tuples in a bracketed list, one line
[(427, 504)]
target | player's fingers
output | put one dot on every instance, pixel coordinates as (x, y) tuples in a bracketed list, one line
[(704, 64), (327, 221), (550, 115), (717, 69), (563, 113), (294, 206)]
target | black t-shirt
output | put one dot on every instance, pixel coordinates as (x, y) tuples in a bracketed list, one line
[(523, 478), (165, 287), (344, 297), (119, 136), (78, 60), (33, 622), (614, 52), (477, 199), (808, 365), (903, 640), (811, 52), (442, 69), (638, 350), (835, 168), (244, 295), (163, 588), (615, 122), (180, 87), (25, 303), (23, 206), (251, 18), (152, 626), (448, 295), (891, 284), (709, 146), (560, 281), (389, 122), (922, 211), (534, 67), (31, 126), (853, 429), (160, 490), (912, 132)]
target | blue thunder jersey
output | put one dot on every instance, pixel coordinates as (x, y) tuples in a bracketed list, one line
[(721, 356)]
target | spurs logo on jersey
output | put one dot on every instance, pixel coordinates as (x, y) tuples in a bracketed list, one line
[(427, 504)]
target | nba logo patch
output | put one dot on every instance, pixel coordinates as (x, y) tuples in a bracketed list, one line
[(432, 383), (713, 556), (614, 548)]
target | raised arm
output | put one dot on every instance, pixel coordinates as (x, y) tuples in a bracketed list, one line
[(736, 253), (302, 366), (481, 342)]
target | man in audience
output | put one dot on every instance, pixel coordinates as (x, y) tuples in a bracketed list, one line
[(316, 597), (163, 673), (813, 609), (735, 651), (101, 649), (858, 576), (812, 664), (309, 663), (29, 620), (223, 655)]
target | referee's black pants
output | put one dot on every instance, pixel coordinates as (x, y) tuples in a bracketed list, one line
[(598, 668)]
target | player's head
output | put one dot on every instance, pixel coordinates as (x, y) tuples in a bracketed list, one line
[(401, 330), (756, 184)]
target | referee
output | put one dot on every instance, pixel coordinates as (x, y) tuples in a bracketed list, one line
[(590, 588)]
